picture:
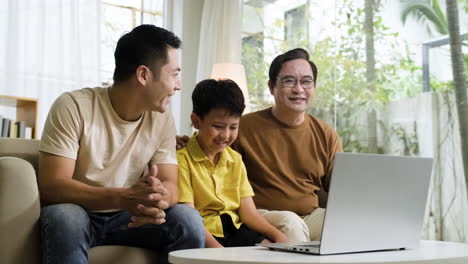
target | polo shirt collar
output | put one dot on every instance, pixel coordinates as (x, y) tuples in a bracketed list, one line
[(198, 155)]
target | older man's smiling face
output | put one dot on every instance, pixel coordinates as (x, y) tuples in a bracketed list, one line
[(296, 98)]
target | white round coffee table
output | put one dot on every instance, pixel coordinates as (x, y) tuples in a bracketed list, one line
[(429, 252)]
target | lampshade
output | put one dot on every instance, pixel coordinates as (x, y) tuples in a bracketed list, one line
[(235, 72)]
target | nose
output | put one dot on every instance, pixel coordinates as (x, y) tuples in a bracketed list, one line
[(225, 134), (297, 88), (178, 85)]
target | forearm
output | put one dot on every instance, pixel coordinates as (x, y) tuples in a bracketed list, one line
[(173, 190), (253, 220), (210, 241), (259, 224), (89, 197)]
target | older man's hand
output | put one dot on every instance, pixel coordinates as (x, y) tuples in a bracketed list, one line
[(181, 141)]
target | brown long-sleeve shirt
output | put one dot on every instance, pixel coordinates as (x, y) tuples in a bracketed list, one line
[(287, 166)]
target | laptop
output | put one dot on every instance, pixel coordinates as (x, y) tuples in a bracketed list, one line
[(376, 202)]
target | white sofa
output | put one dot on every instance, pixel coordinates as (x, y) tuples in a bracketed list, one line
[(20, 208)]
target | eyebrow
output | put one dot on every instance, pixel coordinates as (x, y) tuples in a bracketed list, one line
[(220, 122), (291, 76)]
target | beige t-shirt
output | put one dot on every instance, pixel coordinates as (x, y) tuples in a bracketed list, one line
[(109, 152)]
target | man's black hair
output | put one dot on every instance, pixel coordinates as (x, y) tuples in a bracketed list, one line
[(293, 54), (144, 45), (212, 94)]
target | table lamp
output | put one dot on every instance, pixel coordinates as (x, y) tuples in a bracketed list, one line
[(235, 72)]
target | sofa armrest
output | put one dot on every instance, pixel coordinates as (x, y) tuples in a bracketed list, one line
[(19, 212)]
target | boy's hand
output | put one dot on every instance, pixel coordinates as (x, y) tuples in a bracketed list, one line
[(279, 237), (181, 141)]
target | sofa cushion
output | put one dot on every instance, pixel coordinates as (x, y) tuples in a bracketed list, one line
[(19, 215), (27, 149), (121, 255)]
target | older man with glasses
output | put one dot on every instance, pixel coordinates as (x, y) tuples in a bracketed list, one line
[(288, 153)]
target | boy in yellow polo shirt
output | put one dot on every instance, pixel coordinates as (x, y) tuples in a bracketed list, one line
[(212, 176)]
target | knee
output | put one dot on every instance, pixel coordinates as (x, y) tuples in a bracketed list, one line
[(290, 224), (64, 217), (189, 218), (287, 219), (190, 225)]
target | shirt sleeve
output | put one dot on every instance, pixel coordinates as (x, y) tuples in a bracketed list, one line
[(244, 186), (185, 183), (166, 152), (62, 129)]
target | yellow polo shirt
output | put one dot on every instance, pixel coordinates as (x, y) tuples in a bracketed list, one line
[(213, 189)]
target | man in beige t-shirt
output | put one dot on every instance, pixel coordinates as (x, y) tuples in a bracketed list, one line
[(108, 167)]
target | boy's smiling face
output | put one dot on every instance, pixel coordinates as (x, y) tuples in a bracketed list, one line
[(216, 131)]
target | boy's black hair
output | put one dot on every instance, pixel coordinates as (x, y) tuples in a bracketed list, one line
[(293, 54), (211, 94), (144, 45)]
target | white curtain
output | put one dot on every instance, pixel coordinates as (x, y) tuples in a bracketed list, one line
[(219, 35), (48, 47)]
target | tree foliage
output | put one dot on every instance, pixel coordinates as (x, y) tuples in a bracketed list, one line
[(341, 94), (427, 13), (459, 80)]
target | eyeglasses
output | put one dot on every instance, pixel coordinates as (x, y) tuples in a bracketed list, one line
[(290, 82)]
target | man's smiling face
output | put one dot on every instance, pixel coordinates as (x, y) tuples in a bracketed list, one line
[(297, 97)]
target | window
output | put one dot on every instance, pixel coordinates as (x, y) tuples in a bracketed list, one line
[(256, 69), (296, 27), (407, 121), (118, 17)]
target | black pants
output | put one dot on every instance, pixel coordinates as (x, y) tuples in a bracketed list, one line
[(234, 237)]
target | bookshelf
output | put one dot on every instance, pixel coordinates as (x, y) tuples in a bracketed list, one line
[(20, 109)]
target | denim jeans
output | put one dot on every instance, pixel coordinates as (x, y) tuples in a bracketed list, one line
[(68, 231)]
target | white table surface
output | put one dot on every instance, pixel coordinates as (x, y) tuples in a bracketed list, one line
[(429, 252)]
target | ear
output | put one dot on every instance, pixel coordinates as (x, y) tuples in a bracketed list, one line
[(143, 74), (195, 120), (271, 86)]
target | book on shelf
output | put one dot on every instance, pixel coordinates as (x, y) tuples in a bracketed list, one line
[(20, 129), (28, 132), (6, 127), (13, 129)]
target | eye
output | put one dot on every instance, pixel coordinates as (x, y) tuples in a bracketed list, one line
[(307, 82), (289, 81)]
